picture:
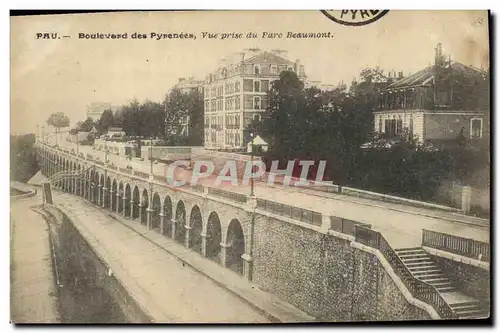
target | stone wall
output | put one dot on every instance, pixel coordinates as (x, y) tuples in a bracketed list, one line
[(90, 293), (469, 279), (324, 276)]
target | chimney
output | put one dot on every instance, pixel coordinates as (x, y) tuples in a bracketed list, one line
[(439, 59), (297, 66)]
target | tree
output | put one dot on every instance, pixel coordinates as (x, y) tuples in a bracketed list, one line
[(184, 108), (23, 163), (58, 120), (106, 121), (86, 126)]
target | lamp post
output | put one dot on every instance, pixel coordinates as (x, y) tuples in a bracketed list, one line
[(252, 194), (77, 143)]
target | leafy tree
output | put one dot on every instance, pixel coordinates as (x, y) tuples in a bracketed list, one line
[(106, 121), (58, 120), (85, 126), (23, 163)]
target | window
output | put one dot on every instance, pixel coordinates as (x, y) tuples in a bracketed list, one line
[(476, 128), (380, 125), (256, 69), (256, 103), (256, 117), (237, 86), (207, 106), (411, 124), (256, 86), (237, 102), (399, 126), (274, 69), (289, 68)]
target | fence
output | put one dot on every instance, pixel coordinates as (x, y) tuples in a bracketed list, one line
[(419, 289), (459, 245), (141, 174), (295, 213), (227, 195), (345, 226)]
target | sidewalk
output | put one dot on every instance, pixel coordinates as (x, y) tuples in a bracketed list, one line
[(173, 284), (33, 291)]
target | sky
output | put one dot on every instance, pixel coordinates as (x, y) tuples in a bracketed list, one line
[(67, 74)]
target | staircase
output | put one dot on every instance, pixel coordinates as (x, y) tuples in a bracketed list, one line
[(420, 264), (423, 268)]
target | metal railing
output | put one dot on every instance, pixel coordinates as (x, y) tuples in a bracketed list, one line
[(141, 174), (300, 214), (346, 226), (418, 288), (226, 194), (466, 247)]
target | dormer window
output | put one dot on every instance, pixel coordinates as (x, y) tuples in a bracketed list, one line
[(256, 69), (274, 69)]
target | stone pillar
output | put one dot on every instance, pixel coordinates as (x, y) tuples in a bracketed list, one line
[(162, 220), (111, 194), (223, 253), (247, 266), (132, 208), (104, 196), (118, 200), (150, 212), (141, 212), (124, 203), (187, 235), (174, 226), (203, 244)]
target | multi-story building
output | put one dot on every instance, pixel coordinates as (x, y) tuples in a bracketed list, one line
[(95, 110), (436, 103), (236, 93)]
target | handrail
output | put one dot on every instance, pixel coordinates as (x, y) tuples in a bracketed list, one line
[(418, 288), (301, 214), (466, 247)]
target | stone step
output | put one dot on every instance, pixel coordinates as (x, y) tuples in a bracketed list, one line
[(461, 307), (416, 260), (477, 314), (419, 263), (413, 256), (410, 250), (418, 271), (433, 279), (445, 289)]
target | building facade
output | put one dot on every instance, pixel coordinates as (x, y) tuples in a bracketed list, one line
[(236, 93), (437, 103), (95, 110)]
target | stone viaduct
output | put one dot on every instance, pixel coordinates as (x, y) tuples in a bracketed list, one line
[(332, 268)]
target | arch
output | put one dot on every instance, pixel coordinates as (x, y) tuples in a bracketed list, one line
[(236, 241), (155, 213), (143, 206), (128, 198), (120, 197), (196, 224), (136, 201), (114, 196), (180, 217), (214, 237), (167, 219)]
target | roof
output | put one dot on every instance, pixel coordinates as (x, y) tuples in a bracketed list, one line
[(265, 57), (115, 129), (426, 75)]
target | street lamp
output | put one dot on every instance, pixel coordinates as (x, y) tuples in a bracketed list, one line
[(252, 194)]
